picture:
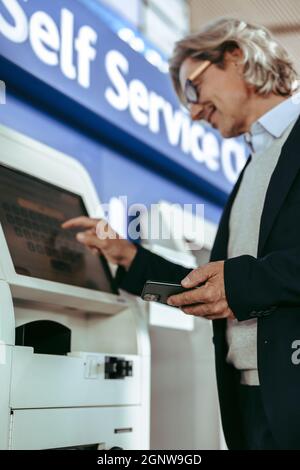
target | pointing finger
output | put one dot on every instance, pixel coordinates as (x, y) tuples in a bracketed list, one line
[(82, 221)]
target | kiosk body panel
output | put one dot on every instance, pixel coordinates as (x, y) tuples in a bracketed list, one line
[(98, 427), (41, 381)]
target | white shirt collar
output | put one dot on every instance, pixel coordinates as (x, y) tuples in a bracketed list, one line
[(273, 124)]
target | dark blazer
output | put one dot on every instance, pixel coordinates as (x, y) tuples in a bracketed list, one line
[(266, 287)]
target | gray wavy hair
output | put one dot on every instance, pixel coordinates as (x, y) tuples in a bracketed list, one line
[(267, 65)]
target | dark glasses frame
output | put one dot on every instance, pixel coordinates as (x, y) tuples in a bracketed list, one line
[(191, 93)]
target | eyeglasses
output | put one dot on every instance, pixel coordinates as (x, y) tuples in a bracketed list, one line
[(191, 92)]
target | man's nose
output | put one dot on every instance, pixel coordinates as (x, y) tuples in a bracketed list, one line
[(196, 111)]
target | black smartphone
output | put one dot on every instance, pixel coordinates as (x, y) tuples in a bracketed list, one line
[(157, 291)]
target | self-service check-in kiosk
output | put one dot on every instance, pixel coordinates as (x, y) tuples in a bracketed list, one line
[(74, 353)]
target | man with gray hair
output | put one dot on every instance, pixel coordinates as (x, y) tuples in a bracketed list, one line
[(235, 76)]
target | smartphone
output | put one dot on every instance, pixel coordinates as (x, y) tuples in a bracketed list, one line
[(156, 291)]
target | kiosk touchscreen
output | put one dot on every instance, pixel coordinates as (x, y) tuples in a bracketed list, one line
[(31, 214)]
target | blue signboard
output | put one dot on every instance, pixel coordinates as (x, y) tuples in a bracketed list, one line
[(63, 54)]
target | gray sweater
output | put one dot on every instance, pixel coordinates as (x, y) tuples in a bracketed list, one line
[(244, 226)]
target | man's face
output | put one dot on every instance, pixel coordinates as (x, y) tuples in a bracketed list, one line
[(223, 95)]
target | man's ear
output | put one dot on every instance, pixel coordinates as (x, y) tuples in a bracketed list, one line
[(235, 58), (235, 55)]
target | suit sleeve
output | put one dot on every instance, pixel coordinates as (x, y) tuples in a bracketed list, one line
[(148, 266), (257, 286)]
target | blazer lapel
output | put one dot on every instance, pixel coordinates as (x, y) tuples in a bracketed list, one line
[(281, 180), (219, 250)]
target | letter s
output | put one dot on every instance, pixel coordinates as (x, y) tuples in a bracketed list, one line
[(115, 62), (17, 32)]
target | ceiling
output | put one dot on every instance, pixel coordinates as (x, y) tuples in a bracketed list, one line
[(282, 17)]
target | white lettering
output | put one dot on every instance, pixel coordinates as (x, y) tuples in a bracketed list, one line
[(139, 102), (55, 45), (2, 92), (295, 356), (108, 460), (147, 108), (117, 215), (86, 54), (51, 44), (139, 212), (18, 32), (66, 52), (115, 62), (173, 122), (44, 36)]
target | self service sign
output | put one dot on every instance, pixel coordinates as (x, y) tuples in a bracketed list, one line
[(69, 49)]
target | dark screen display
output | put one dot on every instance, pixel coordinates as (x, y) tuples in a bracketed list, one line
[(31, 214)]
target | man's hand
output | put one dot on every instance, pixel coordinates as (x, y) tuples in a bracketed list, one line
[(207, 301), (102, 239)]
